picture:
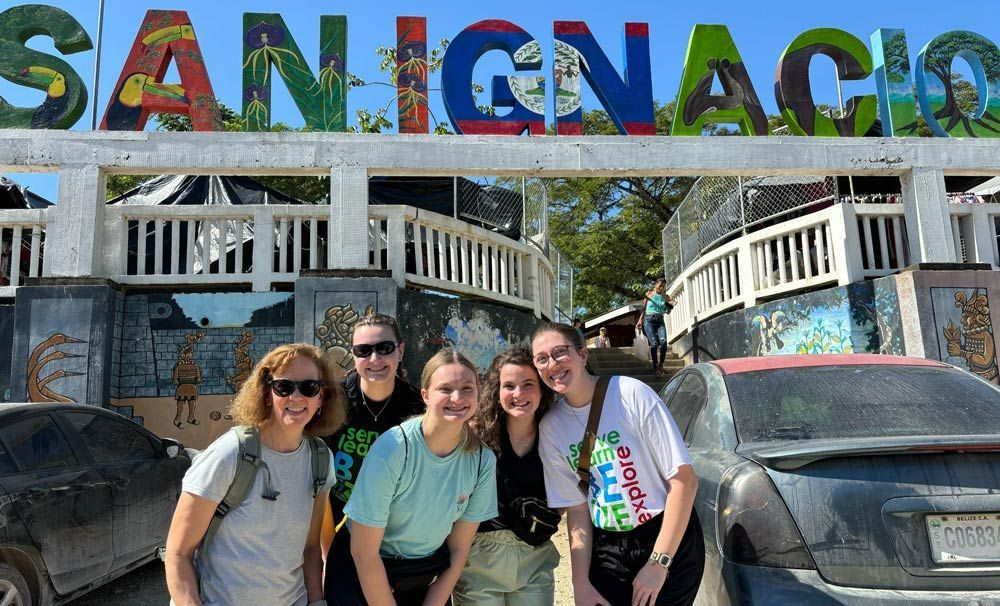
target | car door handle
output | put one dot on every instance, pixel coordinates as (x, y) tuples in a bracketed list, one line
[(37, 492), (120, 481)]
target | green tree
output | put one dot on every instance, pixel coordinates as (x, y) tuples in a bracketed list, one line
[(609, 229)]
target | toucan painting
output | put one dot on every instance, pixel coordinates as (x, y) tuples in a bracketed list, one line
[(56, 101), (139, 93)]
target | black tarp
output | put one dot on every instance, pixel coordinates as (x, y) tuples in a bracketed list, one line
[(13, 196)]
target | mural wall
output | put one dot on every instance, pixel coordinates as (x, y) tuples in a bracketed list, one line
[(859, 318), (964, 330), (478, 330), (181, 357)]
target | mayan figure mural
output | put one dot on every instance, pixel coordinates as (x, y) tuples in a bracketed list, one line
[(187, 375), (974, 341), (334, 335), (244, 363), (38, 390)]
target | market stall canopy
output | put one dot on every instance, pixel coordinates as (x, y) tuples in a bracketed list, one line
[(203, 189), (13, 196)]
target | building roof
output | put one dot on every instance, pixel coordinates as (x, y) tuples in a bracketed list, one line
[(739, 365), (613, 314)]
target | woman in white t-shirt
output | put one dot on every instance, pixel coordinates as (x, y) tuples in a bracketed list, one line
[(634, 538)]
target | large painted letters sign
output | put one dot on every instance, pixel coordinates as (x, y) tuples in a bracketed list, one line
[(629, 102), (268, 47), (712, 54), (163, 35), (65, 93), (794, 93), (896, 105), (525, 94), (937, 95)]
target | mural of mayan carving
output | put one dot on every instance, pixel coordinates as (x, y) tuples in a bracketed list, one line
[(974, 341), (38, 390), (244, 363), (187, 375), (334, 335)]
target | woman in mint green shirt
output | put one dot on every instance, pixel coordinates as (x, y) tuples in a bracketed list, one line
[(651, 322), (423, 490)]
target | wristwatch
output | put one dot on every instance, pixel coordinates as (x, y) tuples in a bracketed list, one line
[(661, 559)]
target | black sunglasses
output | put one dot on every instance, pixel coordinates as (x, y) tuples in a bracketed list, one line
[(382, 348), (286, 387)]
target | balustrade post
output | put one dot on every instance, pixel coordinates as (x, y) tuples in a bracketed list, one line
[(396, 236), (846, 244), (263, 248), (983, 234), (349, 216), (928, 222), (746, 270), (74, 244)]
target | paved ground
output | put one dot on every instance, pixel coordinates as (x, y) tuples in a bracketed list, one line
[(148, 586)]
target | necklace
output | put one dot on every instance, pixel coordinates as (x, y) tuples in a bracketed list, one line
[(364, 400)]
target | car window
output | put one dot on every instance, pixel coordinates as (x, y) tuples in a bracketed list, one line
[(860, 401), (111, 441), (36, 443), (669, 389), (685, 405), (6, 463)]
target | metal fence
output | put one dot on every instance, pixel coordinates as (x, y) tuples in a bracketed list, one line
[(718, 207), (492, 204)]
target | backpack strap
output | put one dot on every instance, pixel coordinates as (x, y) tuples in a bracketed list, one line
[(590, 435), (320, 456), (247, 464)]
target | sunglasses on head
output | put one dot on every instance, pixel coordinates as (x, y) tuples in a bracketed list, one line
[(382, 348), (286, 387)]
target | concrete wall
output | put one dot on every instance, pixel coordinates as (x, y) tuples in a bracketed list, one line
[(478, 330), (858, 318)]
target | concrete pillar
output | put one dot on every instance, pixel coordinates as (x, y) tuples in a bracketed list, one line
[(396, 244), (928, 223), (75, 244), (64, 349), (846, 244), (349, 215)]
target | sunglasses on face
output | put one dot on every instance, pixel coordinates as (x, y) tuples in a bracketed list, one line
[(286, 387), (382, 348), (559, 354)]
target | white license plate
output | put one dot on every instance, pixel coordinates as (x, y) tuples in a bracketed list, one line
[(964, 537)]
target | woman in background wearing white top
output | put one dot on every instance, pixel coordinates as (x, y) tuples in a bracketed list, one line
[(634, 539)]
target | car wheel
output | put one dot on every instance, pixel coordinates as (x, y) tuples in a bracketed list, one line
[(13, 588)]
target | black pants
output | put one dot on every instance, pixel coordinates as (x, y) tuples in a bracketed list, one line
[(617, 557), (341, 586)]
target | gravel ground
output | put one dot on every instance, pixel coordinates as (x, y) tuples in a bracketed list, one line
[(147, 585)]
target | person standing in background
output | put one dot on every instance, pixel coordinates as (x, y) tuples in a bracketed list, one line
[(602, 338), (653, 324)]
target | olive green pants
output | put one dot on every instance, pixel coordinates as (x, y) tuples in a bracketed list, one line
[(503, 570)]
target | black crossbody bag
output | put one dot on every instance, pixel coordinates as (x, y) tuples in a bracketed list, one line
[(407, 574)]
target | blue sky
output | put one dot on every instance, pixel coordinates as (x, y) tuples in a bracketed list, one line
[(761, 30)]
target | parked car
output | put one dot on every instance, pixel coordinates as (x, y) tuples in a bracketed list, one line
[(854, 479), (85, 496)]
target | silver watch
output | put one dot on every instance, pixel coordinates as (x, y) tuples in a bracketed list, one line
[(661, 559)]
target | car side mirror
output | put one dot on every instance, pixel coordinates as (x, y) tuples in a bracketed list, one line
[(173, 447)]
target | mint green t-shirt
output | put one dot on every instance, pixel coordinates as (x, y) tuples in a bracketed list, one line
[(656, 305), (416, 496)]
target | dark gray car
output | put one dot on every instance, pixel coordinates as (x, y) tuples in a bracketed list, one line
[(85, 496), (843, 480)]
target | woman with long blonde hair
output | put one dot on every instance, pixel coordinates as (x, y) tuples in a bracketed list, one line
[(266, 549)]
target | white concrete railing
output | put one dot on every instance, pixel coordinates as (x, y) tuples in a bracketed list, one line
[(841, 244), (22, 246), (265, 245)]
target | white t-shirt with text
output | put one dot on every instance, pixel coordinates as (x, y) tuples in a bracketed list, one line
[(638, 448)]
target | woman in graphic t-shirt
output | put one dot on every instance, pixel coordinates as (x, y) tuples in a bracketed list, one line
[(423, 490), (378, 399), (512, 559), (634, 538)]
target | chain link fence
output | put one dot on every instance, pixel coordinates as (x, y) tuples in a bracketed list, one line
[(492, 204), (716, 208)]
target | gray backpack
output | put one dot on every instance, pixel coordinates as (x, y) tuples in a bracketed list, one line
[(246, 471)]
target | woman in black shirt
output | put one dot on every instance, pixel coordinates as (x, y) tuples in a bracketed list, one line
[(513, 558), (378, 399)]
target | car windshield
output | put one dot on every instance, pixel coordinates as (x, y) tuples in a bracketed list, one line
[(861, 401)]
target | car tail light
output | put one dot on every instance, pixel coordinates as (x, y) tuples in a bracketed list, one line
[(755, 527)]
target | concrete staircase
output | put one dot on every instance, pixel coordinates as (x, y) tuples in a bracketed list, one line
[(620, 361)]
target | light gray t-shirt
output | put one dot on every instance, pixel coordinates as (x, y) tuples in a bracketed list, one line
[(256, 556)]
